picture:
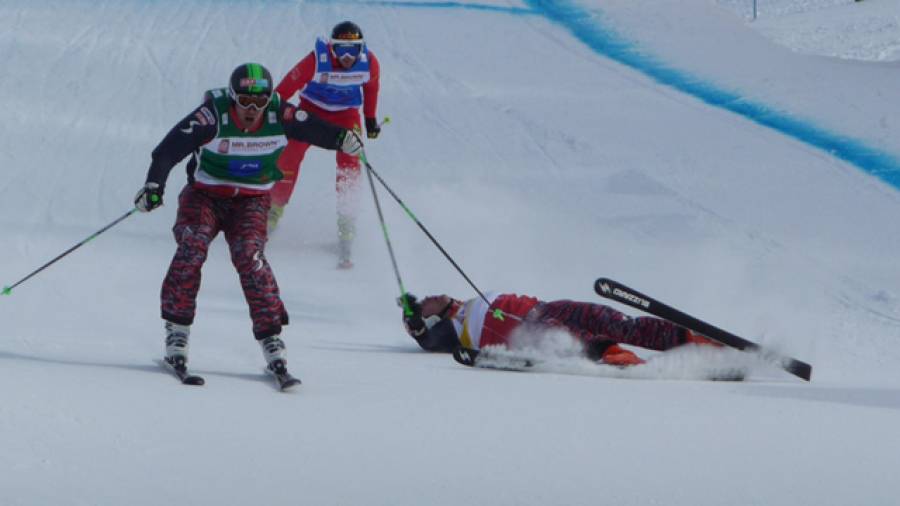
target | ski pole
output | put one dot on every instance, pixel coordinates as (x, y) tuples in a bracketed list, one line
[(497, 314), (387, 239), (7, 290)]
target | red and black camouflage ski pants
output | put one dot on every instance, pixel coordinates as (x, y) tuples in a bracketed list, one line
[(201, 217), (592, 323)]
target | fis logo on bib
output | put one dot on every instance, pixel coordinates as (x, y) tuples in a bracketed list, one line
[(245, 168)]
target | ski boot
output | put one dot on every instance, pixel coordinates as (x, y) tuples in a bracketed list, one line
[(346, 232), (620, 357), (177, 344), (177, 353), (610, 353), (273, 349), (691, 337)]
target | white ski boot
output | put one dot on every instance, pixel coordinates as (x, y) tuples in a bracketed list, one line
[(177, 353), (274, 351), (346, 233), (177, 343)]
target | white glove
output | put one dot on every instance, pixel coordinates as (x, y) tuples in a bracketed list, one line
[(148, 198), (351, 143)]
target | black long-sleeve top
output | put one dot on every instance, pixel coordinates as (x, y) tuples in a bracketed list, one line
[(201, 126)]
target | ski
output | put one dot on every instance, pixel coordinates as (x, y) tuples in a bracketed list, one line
[(505, 360), (465, 356), (727, 375), (180, 371), (286, 381), (487, 360), (618, 292), (283, 379)]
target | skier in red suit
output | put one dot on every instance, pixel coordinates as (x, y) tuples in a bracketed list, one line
[(334, 80), (441, 323)]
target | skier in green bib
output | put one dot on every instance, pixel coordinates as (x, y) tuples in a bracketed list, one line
[(234, 138)]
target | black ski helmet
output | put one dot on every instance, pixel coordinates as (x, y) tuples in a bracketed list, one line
[(347, 31), (250, 79)]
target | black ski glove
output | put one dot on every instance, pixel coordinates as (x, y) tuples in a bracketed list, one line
[(372, 128), (149, 197), (415, 325)]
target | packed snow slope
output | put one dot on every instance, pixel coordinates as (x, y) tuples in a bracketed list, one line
[(540, 160)]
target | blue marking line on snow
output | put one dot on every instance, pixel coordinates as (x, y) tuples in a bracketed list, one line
[(588, 28), (433, 5)]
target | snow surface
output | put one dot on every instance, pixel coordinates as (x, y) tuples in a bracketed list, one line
[(539, 164), (838, 28)]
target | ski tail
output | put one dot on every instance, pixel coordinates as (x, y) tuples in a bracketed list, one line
[(618, 292)]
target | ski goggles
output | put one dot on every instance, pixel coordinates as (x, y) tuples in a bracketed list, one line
[(343, 49), (255, 101)]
